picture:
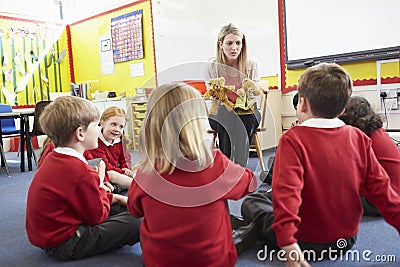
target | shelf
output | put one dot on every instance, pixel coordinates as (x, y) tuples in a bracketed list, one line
[(138, 112)]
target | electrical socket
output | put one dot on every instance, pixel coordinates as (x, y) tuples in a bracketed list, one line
[(391, 103), (388, 93)]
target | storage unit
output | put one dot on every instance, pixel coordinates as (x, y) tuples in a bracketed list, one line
[(270, 137), (138, 110)]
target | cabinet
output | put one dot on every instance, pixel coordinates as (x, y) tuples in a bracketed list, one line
[(138, 110), (270, 137)]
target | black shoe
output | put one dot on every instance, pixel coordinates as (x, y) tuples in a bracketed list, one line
[(245, 237), (117, 189), (236, 222), (266, 177)]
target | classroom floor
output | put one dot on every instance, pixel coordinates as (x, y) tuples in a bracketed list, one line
[(377, 245)]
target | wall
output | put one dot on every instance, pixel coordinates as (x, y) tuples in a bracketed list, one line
[(186, 33), (86, 53), (391, 117), (32, 80)]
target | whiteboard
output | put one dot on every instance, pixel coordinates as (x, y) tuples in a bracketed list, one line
[(185, 32), (316, 28)]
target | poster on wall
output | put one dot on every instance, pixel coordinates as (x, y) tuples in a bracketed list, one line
[(127, 36), (106, 55)]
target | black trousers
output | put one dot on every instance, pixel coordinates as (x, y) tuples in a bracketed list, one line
[(118, 230), (235, 133), (258, 207), (369, 208)]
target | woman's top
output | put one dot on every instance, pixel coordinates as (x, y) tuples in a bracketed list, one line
[(234, 77)]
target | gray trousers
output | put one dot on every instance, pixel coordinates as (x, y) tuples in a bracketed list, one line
[(118, 230), (258, 207)]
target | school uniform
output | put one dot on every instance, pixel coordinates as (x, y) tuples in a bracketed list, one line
[(186, 220), (322, 167), (67, 212), (50, 148), (388, 155), (113, 154)]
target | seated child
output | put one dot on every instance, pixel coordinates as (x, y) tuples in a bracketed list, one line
[(181, 186), (48, 147), (360, 114), (67, 213), (321, 169), (111, 147)]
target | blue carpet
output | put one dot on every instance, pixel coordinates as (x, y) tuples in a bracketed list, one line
[(375, 235)]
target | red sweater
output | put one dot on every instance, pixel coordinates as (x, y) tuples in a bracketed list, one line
[(64, 194), (186, 220), (388, 155), (50, 148), (319, 175), (114, 156)]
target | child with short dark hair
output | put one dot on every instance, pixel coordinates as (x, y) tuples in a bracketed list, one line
[(181, 186), (68, 208), (317, 185)]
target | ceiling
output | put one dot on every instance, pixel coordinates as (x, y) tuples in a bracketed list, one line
[(58, 11)]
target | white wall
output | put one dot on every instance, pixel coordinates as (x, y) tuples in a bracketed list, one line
[(186, 31), (371, 93)]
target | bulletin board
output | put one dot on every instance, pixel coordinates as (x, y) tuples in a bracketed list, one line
[(86, 49), (185, 32), (127, 36)]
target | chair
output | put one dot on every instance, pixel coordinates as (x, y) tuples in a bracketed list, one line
[(256, 145), (36, 129), (8, 130)]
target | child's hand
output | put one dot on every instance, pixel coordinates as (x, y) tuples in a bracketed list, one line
[(295, 123), (105, 188), (128, 172), (101, 171), (109, 186), (294, 256), (135, 167), (120, 199)]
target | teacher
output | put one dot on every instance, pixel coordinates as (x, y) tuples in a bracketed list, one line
[(235, 128)]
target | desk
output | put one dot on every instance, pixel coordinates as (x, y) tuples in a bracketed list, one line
[(24, 136)]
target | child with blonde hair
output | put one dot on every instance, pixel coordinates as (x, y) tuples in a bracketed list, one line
[(181, 186), (112, 147)]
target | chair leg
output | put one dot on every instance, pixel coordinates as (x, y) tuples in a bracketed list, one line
[(35, 157), (259, 151), (3, 156), (32, 150), (214, 141)]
